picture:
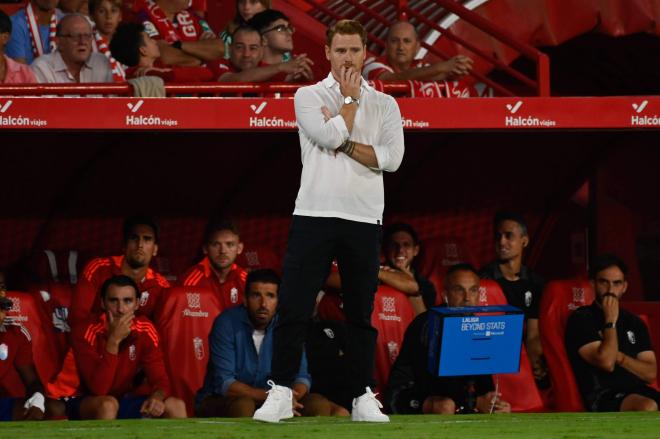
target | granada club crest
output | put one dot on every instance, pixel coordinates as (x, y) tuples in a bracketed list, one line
[(198, 345)]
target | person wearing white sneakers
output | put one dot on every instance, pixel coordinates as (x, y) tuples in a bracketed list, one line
[(350, 134)]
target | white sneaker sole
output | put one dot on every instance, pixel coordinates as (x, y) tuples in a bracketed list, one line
[(360, 419), (270, 420)]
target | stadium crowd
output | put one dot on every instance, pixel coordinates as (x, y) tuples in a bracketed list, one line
[(127, 354), (104, 41)]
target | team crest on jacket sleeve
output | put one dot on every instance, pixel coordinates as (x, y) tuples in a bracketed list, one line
[(4, 352), (132, 355), (528, 299), (233, 295), (631, 337)]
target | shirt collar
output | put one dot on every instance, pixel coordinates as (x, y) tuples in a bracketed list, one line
[(330, 82), (60, 66)]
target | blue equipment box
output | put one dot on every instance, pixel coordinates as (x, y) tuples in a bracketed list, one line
[(476, 340)]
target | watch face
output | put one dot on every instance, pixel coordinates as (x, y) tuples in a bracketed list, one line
[(348, 100)]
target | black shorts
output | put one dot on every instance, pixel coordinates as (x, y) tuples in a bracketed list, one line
[(610, 400)]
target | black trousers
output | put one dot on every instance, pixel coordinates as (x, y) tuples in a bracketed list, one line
[(313, 243)]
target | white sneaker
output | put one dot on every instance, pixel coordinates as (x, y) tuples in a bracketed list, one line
[(278, 404), (366, 408)]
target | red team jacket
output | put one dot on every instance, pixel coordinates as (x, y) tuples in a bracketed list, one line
[(87, 295), (230, 292), (15, 350), (103, 373)]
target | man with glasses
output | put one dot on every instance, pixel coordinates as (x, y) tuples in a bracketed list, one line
[(246, 61), (277, 39), (610, 348), (73, 61)]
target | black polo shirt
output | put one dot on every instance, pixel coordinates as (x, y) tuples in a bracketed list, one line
[(524, 293), (584, 326)]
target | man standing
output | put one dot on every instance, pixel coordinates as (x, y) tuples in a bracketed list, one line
[(610, 348), (349, 134), (412, 389), (73, 61), (521, 286)]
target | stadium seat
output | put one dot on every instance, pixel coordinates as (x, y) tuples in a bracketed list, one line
[(391, 316), (51, 266), (560, 299), (28, 312), (438, 254), (184, 320), (254, 258), (510, 384)]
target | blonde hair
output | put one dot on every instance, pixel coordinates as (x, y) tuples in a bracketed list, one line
[(346, 27)]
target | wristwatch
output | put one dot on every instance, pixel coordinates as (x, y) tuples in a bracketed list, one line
[(610, 325), (348, 100)]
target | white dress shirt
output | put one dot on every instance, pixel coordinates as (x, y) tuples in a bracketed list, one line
[(51, 69), (332, 184)]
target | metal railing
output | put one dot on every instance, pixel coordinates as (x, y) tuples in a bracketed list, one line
[(540, 84), (399, 88)]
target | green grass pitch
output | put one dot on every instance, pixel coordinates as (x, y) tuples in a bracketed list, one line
[(527, 426)]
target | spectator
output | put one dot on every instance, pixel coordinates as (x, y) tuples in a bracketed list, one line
[(183, 38), (399, 63), (33, 30), (140, 236), (245, 10), (11, 72), (277, 38), (74, 6), (218, 270), (610, 348), (106, 16), (110, 349), (241, 350), (245, 61), (413, 389), (73, 61), (521, 286), (137, 50)]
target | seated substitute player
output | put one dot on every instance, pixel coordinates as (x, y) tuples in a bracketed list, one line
[(610, 348), (412, 389), (245, 62), (110, 349), (399, 63), (241, 351), (401, 246), (140, 53), (218, 270), (16, 353), (140, 235)]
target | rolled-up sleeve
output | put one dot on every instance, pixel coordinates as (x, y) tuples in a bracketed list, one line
[(326, 134), (390, 147), (223, 354), (303, 376)]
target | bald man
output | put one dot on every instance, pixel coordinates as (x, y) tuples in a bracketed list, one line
[(399, 63)]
